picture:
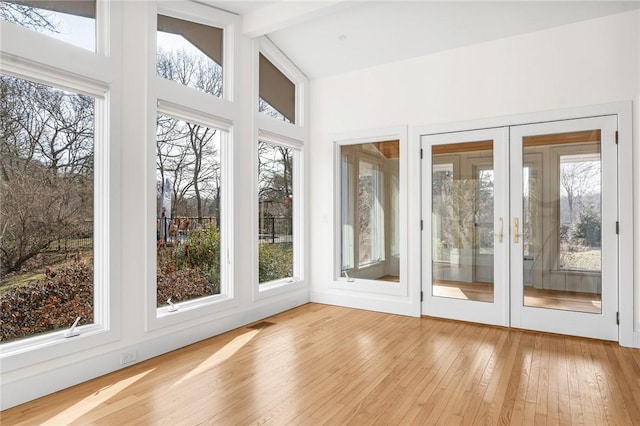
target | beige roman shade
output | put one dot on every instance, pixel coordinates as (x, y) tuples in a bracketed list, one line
[(206, 38), (277, 90), (85, 8)]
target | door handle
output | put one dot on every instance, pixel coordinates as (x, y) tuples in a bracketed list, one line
[(500, 234), (516, 236)]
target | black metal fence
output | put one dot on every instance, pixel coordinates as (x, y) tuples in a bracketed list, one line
[(272, 230), (82, 239)]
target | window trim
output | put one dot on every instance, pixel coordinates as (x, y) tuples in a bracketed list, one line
[(159, 317), (97, 74), (279, 60), (269, 288), (206, 15), (185, 103), (363, 285)]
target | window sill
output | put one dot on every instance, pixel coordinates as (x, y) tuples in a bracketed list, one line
[(277, 287), (38, 349)]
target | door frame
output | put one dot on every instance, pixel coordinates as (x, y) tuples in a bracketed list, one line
[(624, 111), (497, 311), (602, 325)]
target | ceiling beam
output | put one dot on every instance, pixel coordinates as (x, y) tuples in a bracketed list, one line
[(285, 14)]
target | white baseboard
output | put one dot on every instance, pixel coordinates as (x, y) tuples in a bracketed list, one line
[(29, 388), (366, 302)]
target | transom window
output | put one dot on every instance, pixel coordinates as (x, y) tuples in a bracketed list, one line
[(71, 21), (277, 93), (190, 53)]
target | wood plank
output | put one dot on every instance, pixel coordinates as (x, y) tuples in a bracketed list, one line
[(330, 365)]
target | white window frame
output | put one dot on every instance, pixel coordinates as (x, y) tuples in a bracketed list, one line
[(185, 103), (363, 285), (297, 213), (278, 132), (205, 15), (42, 59)]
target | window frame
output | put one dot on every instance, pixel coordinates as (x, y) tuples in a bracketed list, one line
[(42, 59), (171, 98), (279, 132), (296, 213), (364, 285), (205, 15)]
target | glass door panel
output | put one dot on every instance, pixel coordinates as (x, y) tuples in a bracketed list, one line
[(465, 188), (564, 246), (462, 220), (562, 222)]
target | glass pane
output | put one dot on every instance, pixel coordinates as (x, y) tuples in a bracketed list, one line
[(46, 208), (188, 205), (562, 221), (370, 188), (462, 221), (71, 21), (275, 212), (190, 54)]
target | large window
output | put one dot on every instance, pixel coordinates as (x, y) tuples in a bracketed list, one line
[(370, 189), (189, 191), (190, 53), (46, 208), (71, 21), (277, 207), (192, 233)]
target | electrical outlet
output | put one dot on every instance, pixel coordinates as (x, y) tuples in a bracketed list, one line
[(127, 357)]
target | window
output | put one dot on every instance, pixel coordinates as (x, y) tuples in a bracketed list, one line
[(189, 191), (277, 208), (46, 208), (190, 53), (191, 242), (277, 93), (71, 21), (369, 210)]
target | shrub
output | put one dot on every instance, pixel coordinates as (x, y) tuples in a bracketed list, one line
[(275, 261), (190, 270), (587, 228), (49, 304)]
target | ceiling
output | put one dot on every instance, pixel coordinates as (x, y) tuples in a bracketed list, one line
[(325, 38)]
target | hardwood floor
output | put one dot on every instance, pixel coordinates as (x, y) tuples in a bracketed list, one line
[(324, 364)]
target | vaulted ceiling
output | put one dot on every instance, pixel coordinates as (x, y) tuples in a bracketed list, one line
[(330, 37)]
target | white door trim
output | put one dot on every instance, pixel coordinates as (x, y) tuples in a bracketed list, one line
[(624, 111)]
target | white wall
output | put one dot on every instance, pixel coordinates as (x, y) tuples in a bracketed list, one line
[(138, 149), (583, 64)]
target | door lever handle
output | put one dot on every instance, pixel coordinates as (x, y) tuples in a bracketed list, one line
[(500, 234), (516, 236)]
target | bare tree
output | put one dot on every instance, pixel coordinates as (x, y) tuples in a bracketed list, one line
[(27, 16), (275, 177), (577, 179), (46, 179)]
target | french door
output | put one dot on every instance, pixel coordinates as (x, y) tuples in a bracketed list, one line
[(523, 226)]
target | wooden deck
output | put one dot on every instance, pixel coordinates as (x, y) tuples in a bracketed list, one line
[(320, 364)]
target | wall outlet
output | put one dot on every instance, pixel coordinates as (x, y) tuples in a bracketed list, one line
[(127, 357)]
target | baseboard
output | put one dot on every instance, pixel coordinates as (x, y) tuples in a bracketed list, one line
[(367, 302), (28, 388)]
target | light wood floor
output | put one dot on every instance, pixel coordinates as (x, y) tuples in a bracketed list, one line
[(324, 364), (540, 298)]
